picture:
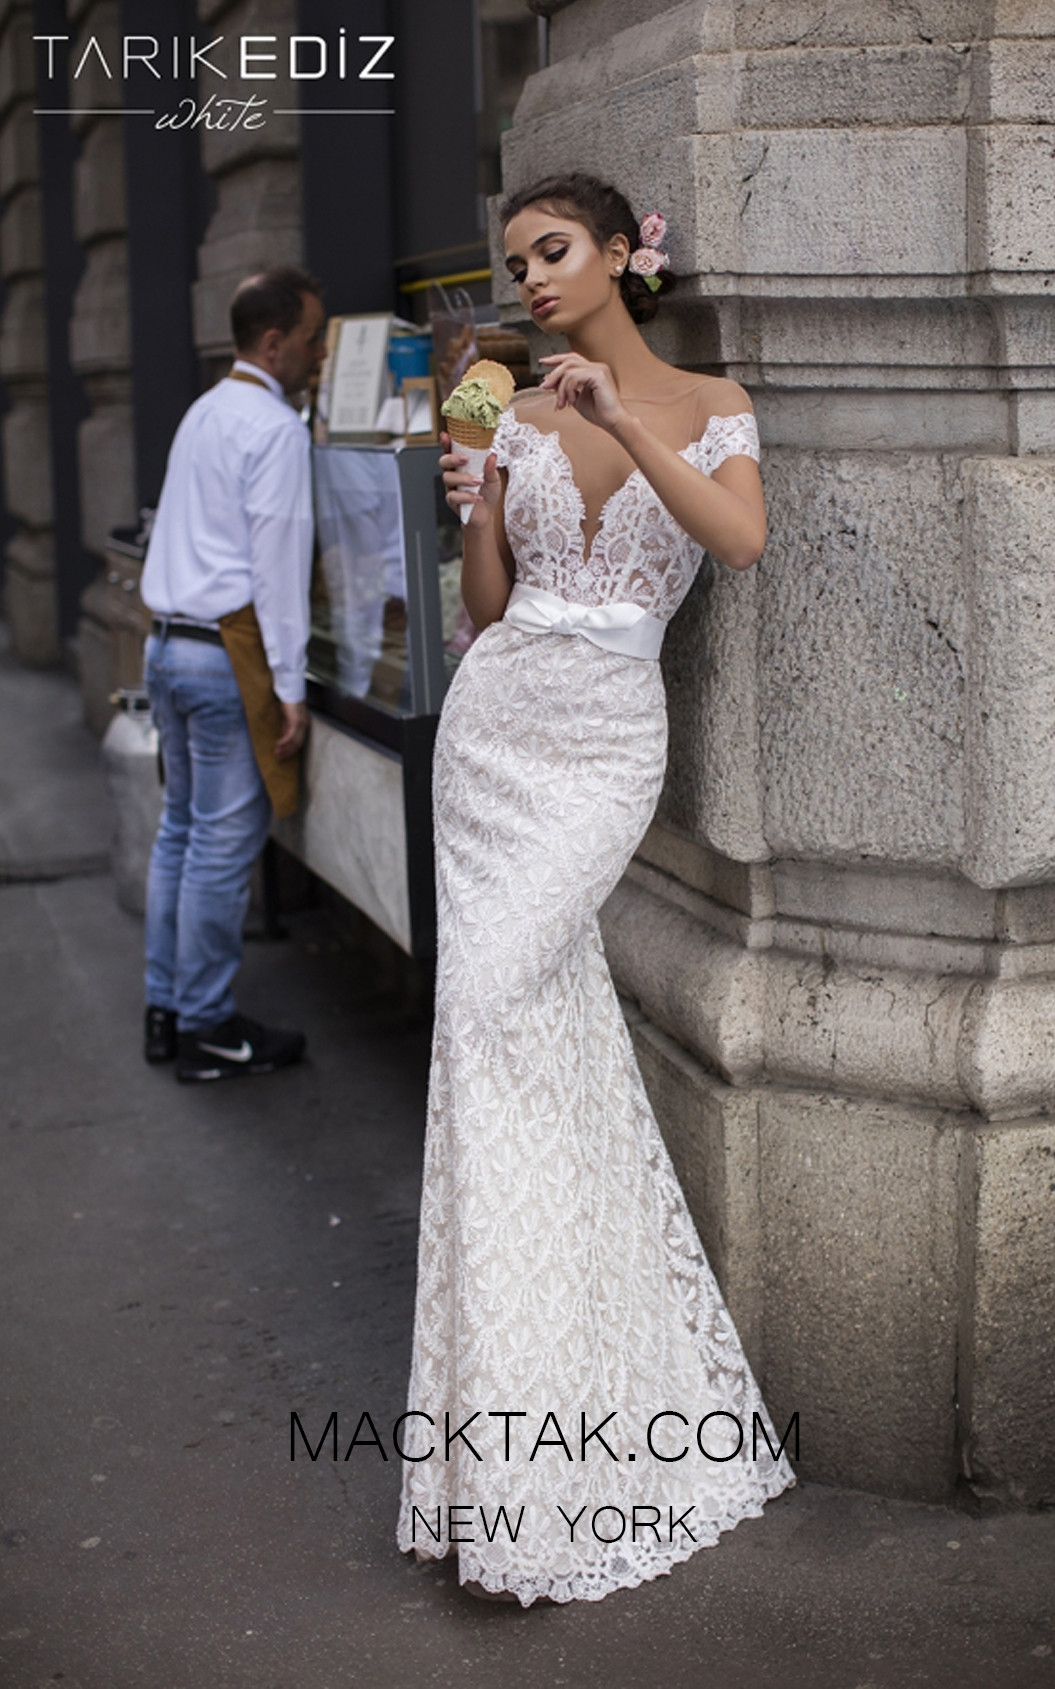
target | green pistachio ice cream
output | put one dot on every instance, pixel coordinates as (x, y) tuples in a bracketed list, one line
[(473, 401)]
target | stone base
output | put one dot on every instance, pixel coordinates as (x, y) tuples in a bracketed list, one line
[(95, 658), (1007, 1367), (30, 606), (888, 1269)]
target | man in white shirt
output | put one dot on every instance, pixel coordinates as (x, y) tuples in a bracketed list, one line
[(233, 527)]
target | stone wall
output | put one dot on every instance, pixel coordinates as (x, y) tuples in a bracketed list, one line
[(100, 331), (29, 577), (258, 220), (840, 932), (100, 337)]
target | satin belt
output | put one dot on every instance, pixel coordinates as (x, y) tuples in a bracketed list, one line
[(625, 628)]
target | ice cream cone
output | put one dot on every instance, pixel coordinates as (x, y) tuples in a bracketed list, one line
[(469, 434), (471, 413), (475, 442)]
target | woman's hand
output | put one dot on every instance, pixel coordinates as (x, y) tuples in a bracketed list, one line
[(487, 580), (589, 388), (463, 488)]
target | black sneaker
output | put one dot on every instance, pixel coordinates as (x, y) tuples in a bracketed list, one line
[(236, 1047), (159, 1035)]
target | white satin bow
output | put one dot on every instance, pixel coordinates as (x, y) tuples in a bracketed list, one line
[(625, 628)]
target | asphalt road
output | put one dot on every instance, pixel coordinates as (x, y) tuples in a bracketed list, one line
[(182, 1268)]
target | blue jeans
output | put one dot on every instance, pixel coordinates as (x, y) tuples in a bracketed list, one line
[(213, 827)]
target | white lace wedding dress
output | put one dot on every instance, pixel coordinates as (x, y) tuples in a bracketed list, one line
[(560, 1276)]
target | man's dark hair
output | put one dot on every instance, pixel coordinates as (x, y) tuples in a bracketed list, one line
[(272, 299)]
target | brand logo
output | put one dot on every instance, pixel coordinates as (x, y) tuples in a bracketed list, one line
[(242, 1054), (237, 58)]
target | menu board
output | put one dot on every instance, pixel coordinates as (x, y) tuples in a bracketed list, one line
[(353, 382)]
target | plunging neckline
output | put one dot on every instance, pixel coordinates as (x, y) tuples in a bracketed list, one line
[(586, 553)]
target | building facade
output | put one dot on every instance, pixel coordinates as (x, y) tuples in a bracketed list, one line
[(838, 939), (839, 933), (123, 241)]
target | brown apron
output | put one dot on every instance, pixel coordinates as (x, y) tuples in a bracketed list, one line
[(245, 648)]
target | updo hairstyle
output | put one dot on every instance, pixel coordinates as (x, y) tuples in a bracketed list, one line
[(604, 212)]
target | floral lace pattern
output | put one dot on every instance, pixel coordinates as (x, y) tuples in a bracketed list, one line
[(639, 554), (560, 1276)]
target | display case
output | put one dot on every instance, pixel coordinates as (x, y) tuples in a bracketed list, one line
[(388, 631)]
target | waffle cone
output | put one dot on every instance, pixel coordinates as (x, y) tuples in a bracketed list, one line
[(497, 376), (469, 434)]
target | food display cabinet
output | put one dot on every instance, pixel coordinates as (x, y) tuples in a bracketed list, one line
[(388, 631)]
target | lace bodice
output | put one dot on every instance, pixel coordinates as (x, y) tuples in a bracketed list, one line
[(639, 554)]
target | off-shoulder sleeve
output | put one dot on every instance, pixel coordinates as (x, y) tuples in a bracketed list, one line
[(728, 436)]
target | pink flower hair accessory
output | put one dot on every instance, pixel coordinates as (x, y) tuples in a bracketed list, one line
[(653, 228), (646, 261)]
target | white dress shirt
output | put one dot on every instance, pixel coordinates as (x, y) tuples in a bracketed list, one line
[(234, 522)]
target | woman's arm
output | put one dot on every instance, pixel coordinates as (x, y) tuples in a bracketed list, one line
[(487, 563), (724, 512)]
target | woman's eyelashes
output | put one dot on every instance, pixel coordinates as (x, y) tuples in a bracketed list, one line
[(553, 256)]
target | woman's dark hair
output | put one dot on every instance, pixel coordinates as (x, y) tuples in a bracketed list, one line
[(272, 299), (604, 212)]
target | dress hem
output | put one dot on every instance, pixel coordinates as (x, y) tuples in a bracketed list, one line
[(589, 1587)]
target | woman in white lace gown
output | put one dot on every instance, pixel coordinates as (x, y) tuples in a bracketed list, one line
[(569, 1335)]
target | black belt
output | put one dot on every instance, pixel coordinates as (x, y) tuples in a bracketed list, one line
[(164, 629)]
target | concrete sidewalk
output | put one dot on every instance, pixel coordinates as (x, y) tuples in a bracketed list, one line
[(183, 1267)]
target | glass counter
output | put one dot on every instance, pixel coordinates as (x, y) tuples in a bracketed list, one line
[(388, 631), (388, 626)]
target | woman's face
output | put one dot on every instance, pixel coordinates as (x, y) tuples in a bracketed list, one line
[(561, 275)]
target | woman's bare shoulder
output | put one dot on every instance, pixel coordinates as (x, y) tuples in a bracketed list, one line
[(532, 402), (699, 396), (716, 395), (535, 407)]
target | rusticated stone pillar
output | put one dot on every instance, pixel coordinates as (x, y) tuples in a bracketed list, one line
[(30, 604), (840, 933), (100, 337), (258, 218)]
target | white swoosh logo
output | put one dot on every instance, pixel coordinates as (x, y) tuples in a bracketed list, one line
[(242, 1054)]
